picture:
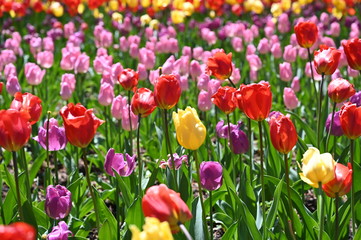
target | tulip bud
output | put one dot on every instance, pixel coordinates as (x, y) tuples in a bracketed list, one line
[(339, 90), (290, 54), (283, 134), (58, 202), (239, 141), (167, 91), (342, 182), (13, 85), (295, 85), (118, 104), (306, 33), (81, 64), (165, 205), (204, 101), (211, 175), (34, 74)]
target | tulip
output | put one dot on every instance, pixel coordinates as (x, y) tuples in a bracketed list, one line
[(17, 231), (283, 134), (306, 33), (128, 79), (167, 91), (81, 64), (350, 120), (115, 162), (326, 60), (336, 125), (1, 87), (34, 74), (29, 103), (356, 98), (204, 101), (152, 229), (129, 125), (295, 85), (225, 99), (290, 99), (222, 129), (339, 90), (317, 168), (9, 70), (106, 94), (211, 175), (58, 202), (165, 205), (352, 49), (256, 100), (178, 160), (263, 46), (57, 138), (80, 124), (220, 65), (45, 59), (239, 141), (290, 54), (143, 102), (59, 232), (342, 182), (285, 71), (118, 104), (190, 131), (13, 85)]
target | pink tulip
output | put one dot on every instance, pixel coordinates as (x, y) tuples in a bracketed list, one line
[(276, 50), (263, 46), (9, 70), (45, 59), (48, 44), (7, 56), (290, 99), (168, 67), (147, 57), (295, 85), (290, 54), (12, 85), (69, 29), (118, 104), (284, 24), (285, 71), (187, 51), (197, 53), (125, 119), (33, 73), (195, 69), (142, 72), (35, 45), (204, 101), (254, 62), (81, 64), (106, 94), (117, 69), (203, 81), (237, 44), (123, 44), (102, 62)]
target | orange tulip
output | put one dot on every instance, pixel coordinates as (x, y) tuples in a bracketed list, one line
[(220, 65), (166, 205), (29, 103), (80, 124), (15, 129), (306, 33), (256, 100), (342, 182), (352, 49), (350, 118), (283, 134), (326, 60), (225, 99), (167, 91)]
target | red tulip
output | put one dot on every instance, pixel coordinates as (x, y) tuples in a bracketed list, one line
[(167, 91), (339, 90), (17, 231), (350, 118), (143, 102), (352, 49), (306, 33), (29, 103), (342, 182), (326, 60), (225, 99), (80, 124), (128, 79), (1, 87), (166, 205), (283, 134), (256, 100), (220, 65), (15, 129), (238, 96)]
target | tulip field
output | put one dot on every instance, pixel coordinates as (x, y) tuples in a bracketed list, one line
[(182, 119)]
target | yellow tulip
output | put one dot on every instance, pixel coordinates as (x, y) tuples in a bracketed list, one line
[(296, 7), (339, 4), (188, 8), (177, 16), (81, 8), (317, 168), (190, 131), (257, 7), (337, 13), (152, 229), (154, 24), (276, 10), (285, 4), (178, 4), (132, 3), (117, 17), (145, 19), (113, 5), (57, 9)]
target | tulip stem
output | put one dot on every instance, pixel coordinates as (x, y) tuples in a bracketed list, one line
[(320, 205), (287, 175), (47, 171), (16, 172), (117, 207), (312, 76), (319, 112), (336, 215), (91, 189), (262, 182), (250, 153), (232, 159), (140, 163), (352, 188), (331, 126), (185, 231), (56, 168), (130, 125), (210, 215), (169, 148), (106, 127), (201, 194), (233, 85)]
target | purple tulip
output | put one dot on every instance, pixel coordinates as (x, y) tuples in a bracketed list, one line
[(356, 98), (222, 129), (59, 232), (178, 160), (239, 142), (115, 161), (58, 202), (336, 126), (211, 175), (57, 137)]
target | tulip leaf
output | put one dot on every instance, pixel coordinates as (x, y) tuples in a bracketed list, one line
[(310, 134), (272, 157), (230, 232), (196, 225), (271, 216), (104, 212), (135, 214), (215, 197), (127, 197), (107, 231), (36, 165)]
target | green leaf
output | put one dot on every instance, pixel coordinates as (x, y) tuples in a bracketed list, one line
[(106, 231), (271, 216), (310, 134), (135, 214), (196, 226), (229, 234)]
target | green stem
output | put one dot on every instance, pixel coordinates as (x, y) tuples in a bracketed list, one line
[(352, 188), (47, 172), (319, 112), (331, 126), (130, 125), (201, 194), (287, 175), (230, 81), (18, 198), (56, 168), (140, 162), (211, 215), (91, 188), (27, 176), (229, 141), (337, 199), (117, 207), (250, 153), (320, 204), (120, 135), (169, 147), (106, 127), (312, 75), (262, 182)]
